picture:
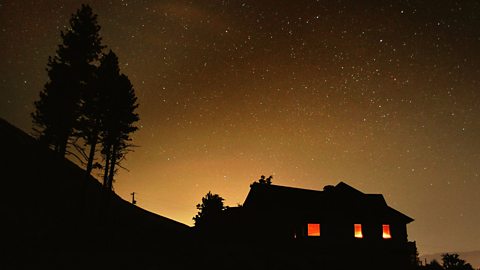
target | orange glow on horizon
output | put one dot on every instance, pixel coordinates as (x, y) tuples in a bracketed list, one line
[(313, 229), (358, 230), (386, 232)]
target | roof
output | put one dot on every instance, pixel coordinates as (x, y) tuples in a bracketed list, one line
[(341, 202)]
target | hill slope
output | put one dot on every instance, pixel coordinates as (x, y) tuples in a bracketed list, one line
[(55, 216)]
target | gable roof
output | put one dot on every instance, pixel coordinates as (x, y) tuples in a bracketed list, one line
[(340, 202)]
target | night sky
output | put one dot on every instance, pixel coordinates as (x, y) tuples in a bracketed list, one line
[(383, 96)]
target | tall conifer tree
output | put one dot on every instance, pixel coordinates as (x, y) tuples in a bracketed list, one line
[(96, 106), (59, 107), (118, 116)]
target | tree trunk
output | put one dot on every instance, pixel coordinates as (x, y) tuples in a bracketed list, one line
[(62, 145), (62, 149), (112, 165), (91, 155), (55, 148), (107, 166)]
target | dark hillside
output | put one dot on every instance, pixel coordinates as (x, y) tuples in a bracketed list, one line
[(53, 216)]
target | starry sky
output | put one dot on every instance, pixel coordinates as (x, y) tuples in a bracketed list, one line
[(383, 95)]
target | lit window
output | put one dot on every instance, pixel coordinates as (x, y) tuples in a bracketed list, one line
[(358, 230), (386, 232), (313, 229)]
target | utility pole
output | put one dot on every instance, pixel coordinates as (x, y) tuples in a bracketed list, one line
[(133, 198)]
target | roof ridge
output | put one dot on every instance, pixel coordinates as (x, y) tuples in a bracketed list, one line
[(288, 187)]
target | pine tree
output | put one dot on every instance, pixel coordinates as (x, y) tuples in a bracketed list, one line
[(69, 71), (118, 116), (97, 98)]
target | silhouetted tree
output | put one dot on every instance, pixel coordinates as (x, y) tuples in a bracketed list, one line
[(415, 257), (433, 265), (453, 262), (209, 210), (263, 180), (449, 262), (267, 181), (69, 71), (95, 107), (118, 115)]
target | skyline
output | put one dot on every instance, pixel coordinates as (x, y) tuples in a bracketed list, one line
[(382, 96)]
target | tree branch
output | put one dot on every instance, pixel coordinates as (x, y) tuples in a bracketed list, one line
[(77, 157)]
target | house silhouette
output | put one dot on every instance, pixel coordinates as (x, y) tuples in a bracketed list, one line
[(337, 226)]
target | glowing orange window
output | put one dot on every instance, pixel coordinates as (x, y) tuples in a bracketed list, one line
[(386, 232), (313, 229), (358, 230)]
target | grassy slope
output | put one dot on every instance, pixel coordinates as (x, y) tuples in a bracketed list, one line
[(52, 215)]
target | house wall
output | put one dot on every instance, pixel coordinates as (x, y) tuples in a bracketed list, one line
[(399, 232), (344, 230)]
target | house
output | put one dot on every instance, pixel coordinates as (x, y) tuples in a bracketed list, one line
[(330, 225), (338, 212)]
